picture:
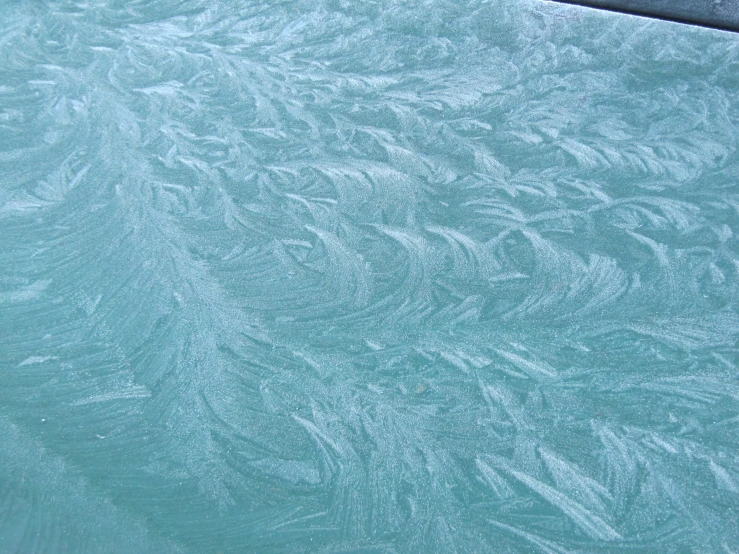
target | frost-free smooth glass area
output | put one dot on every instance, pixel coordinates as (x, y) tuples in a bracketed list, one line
[(380, 276)]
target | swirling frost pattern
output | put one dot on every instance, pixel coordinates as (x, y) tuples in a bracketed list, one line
[(332, 276)]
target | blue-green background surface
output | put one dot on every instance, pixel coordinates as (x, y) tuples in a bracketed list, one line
[(380, 276)]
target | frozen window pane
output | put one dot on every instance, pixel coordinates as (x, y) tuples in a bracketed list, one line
[(380, 276)]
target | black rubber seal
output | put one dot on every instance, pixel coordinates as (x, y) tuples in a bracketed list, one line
[(716, 14)]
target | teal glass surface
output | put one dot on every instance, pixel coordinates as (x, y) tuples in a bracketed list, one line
[(380, 276)]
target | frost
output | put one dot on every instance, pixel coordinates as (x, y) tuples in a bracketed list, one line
[(333, 276), (36, 360)]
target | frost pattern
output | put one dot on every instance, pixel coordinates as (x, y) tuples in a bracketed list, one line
[(331, 276)]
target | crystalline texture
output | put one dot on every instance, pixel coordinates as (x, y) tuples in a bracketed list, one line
[(327, 276)]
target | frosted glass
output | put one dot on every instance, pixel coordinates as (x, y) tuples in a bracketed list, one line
[(379, 276)]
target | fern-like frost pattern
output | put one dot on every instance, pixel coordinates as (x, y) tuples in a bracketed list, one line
[(334, 276)]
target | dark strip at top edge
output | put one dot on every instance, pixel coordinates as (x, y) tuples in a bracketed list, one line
[(698, 14)]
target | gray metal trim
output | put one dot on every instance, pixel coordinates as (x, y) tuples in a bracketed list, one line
[(717, 14)]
